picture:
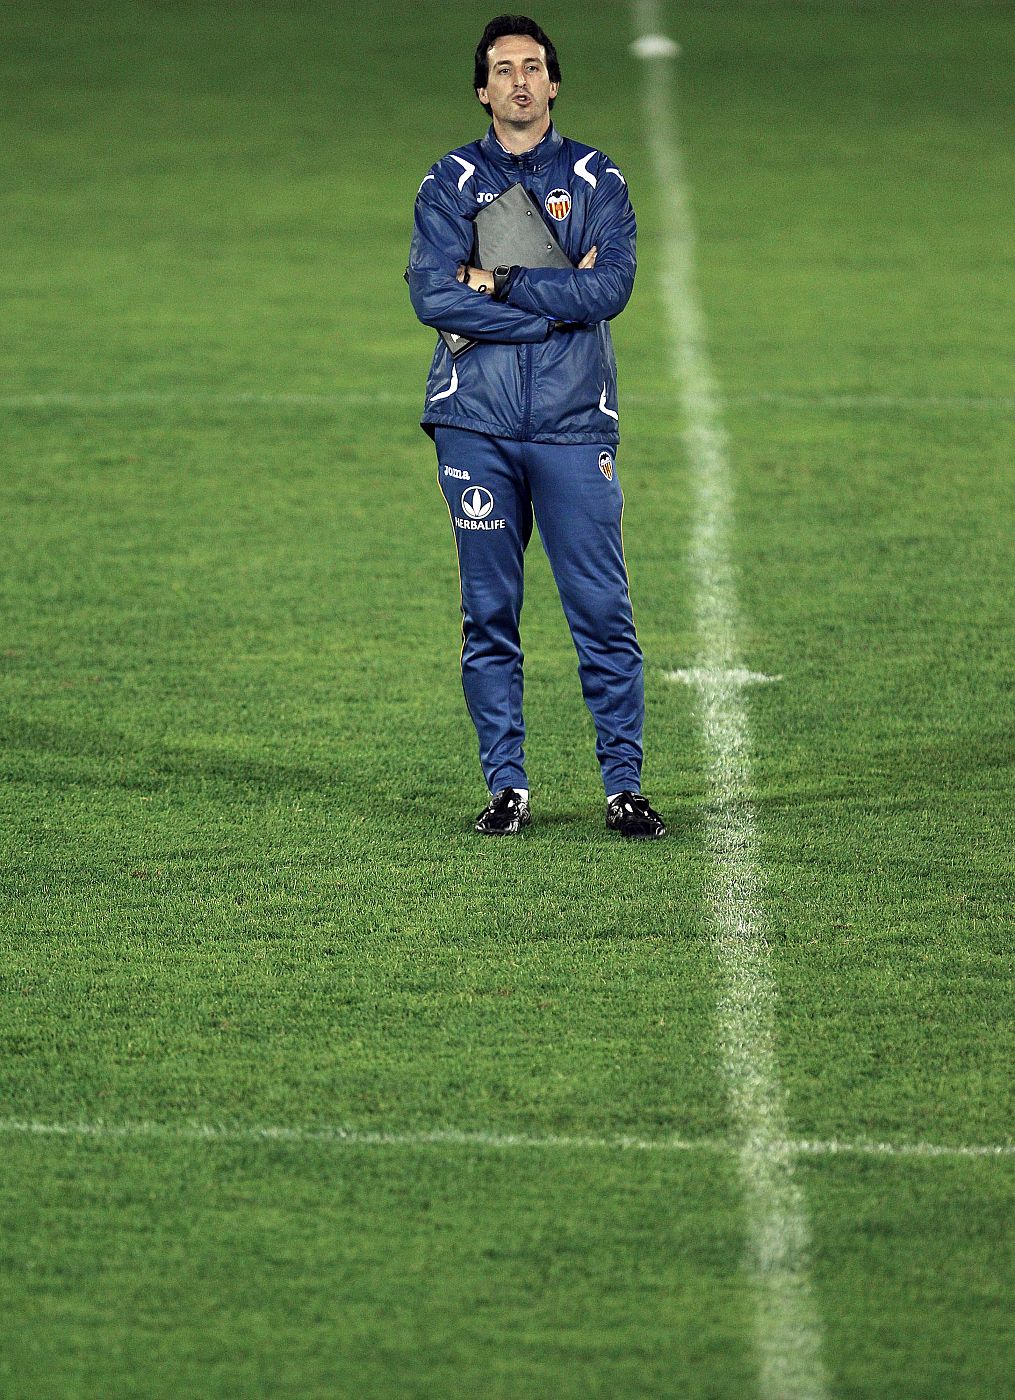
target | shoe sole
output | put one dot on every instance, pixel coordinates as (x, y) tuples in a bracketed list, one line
[(482, 831)]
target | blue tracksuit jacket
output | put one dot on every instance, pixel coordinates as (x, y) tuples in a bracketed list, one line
[(545, 369)]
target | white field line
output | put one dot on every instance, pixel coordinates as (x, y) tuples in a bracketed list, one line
[(337, 1136), (340, 1136), (73, 401), (801, 1147), (787, 1325), (824, 399), (739, 675)]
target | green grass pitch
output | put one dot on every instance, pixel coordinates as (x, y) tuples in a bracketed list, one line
[(242, 907)]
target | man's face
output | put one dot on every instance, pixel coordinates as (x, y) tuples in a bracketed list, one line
[(518, 86)]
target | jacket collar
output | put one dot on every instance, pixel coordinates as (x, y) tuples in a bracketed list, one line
[(532, 161)]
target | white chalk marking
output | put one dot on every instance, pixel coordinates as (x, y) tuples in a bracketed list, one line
[(788, 1328), (737, 675), (655, 46), (339, 1136), (864, 1148), (827, 399)]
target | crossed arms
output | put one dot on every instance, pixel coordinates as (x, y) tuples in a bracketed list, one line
[(443, 284)]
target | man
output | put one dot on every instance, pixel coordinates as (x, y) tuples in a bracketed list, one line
[(526, 421)]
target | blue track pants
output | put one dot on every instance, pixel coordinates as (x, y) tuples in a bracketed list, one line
[(492, 487)]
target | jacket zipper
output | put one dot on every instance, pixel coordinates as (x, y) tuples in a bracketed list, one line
[(520, 165), (526, 391)]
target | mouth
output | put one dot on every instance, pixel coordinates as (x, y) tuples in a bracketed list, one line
[(522, 99)]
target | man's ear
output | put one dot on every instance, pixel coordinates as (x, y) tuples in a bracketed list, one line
[(481, 96)]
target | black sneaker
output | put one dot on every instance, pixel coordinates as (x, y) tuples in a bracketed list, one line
[(630, 814), (506, 814)]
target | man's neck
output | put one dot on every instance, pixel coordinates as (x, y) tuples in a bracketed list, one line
[(518, 140)]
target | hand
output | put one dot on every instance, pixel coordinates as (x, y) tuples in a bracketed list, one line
[(476, 278), (479, 280)]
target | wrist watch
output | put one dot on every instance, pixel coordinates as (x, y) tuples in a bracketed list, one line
[(500, 276)]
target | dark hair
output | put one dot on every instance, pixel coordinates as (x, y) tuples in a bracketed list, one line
[(500, 28)]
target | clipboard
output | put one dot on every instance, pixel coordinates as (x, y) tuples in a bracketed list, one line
[(510, 232)]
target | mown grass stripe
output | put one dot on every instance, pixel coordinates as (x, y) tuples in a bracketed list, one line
[(73, 401)]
